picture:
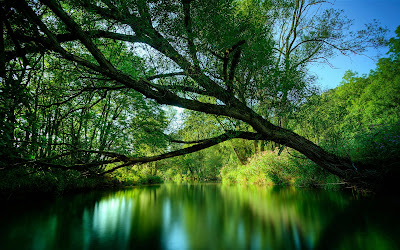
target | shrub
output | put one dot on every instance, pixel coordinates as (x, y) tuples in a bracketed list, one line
[(25, 180), (150, 179), (270, 169)]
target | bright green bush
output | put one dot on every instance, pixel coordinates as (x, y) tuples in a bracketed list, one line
[(150, 179), (135, 175), (270, 169)]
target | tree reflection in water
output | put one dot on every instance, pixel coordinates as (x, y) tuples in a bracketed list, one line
[(202, 216)]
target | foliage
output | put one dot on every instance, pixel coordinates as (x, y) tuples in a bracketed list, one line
[(55, 182), (199, 166), (269, 168), (149, 179), (84, 81), (379, 142), (205, 165), (70, 117), (360, 118), (135, 175), (25, 180)]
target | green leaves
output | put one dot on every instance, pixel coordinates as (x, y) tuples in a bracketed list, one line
[(361, 116)]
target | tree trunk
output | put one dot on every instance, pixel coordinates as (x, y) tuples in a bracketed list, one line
[(353, 173), (242, 162), (262, 145), (255, 146)]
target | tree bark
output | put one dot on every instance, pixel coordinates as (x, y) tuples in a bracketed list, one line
[(255, 146)]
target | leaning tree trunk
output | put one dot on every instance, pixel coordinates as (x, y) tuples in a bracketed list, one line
[(355, 173)]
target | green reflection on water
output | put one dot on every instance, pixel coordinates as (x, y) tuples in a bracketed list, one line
[(208, 216)]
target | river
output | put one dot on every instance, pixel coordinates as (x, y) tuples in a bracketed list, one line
[(202, 216)]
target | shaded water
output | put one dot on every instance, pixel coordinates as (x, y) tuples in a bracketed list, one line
[(206, 216)]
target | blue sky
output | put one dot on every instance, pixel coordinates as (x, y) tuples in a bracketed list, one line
[(362, 12)]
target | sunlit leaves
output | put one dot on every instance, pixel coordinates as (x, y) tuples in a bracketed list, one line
[(360, 116)]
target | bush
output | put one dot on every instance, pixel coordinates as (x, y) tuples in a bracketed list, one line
[(25, 180), (378, 141), (270, 169), (150, 179), (135, 175)]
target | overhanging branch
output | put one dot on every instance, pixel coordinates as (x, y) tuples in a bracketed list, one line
[(129, 161), (202, 144)]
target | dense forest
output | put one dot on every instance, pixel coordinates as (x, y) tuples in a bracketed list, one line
[(89, 91)]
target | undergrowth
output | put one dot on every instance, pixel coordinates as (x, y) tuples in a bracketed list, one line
[(25, 181), (269, 168)]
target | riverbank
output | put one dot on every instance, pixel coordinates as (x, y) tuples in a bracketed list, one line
[(268, 168), (22, 183), (279, 168)]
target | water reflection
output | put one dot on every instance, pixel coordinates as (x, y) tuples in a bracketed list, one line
[(202, 217)]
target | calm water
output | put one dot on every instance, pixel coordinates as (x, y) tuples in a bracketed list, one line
[(208, 216)]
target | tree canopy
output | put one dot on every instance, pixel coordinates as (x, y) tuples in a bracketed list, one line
[(76, 73)]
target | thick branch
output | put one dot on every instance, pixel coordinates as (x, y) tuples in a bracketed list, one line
[(235, 60), (129, 161), (52, 43), (157, 41), (234, 64), (189, 31), (75, 28), (235, 134), (158, 93), (201, 145)]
